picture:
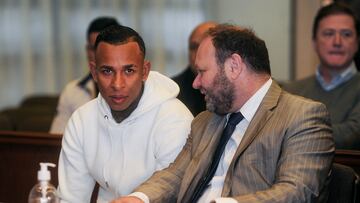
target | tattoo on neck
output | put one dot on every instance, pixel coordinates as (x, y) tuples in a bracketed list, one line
[(119, 116)]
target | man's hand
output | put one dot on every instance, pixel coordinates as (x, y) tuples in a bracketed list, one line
[(128, 199)]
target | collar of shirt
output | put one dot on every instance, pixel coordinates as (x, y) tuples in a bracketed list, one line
[(338, 78), (250, 107)]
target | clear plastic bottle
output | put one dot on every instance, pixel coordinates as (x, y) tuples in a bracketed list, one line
[(44, 191)]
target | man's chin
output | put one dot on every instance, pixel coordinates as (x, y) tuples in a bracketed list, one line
[(117, 108), (339, 65), (215, 110)]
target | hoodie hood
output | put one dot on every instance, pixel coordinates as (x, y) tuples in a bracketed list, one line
[(157, 89)]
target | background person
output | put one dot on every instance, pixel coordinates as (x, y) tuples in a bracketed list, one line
[(82, 90), (336, 82), (191, 97)]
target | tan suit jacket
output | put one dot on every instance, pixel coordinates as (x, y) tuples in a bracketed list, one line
[(284, 156)]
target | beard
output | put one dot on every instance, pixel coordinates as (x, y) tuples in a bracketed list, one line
[(219, 97)]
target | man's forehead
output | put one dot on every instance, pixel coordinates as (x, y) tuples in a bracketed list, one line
[(340, 18), (206, 42), (206, 49), (119, 46)]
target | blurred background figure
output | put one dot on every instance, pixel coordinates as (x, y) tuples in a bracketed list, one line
[(82, 90), (191, 97), (336, 82)]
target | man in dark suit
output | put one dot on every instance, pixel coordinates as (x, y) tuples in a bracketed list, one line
[(192, 98), (280, 151)]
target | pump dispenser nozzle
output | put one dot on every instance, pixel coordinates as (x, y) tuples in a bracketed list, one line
[(44, 173), (44, 191)]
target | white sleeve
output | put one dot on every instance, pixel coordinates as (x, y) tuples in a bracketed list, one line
[(172, 130), (141, 196), (224, 200), (63, 111), (75, 182)]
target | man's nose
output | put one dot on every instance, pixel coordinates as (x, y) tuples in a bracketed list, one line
[(337, 40), (196, 82), (117, 81)]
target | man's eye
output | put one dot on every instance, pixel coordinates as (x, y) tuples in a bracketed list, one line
[(129, 70), (106, 71), (328, 33), (346, 34)]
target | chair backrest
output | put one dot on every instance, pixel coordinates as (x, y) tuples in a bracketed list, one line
[(5, 123), (30, 118), (48, 101), (344, 185), (349, 158)]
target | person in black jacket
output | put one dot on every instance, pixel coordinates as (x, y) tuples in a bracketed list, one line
[(191, 97)]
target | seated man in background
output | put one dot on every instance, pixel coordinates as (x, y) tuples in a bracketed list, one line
[(257, 143), (134, 127), (336, 82), (80, 91), (191, 97)]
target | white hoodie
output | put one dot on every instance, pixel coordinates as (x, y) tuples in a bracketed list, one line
[(120, 156)]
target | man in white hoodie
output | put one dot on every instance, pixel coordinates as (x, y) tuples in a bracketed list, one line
[(133, 128)]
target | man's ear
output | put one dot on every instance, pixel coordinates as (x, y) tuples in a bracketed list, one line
[(234, 66), (146, 69), (92, 66)]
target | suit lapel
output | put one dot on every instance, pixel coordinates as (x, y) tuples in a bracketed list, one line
[(262, 115), (203, 150), (211, 136)]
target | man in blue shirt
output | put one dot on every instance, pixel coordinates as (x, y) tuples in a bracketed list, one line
[(336, 82)]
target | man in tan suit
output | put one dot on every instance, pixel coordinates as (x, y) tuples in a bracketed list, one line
[(281, 151)]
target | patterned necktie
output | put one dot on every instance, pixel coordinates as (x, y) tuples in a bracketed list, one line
[(234, 119)]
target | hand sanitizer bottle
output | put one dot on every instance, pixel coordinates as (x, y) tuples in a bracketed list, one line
[(44, 191)]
